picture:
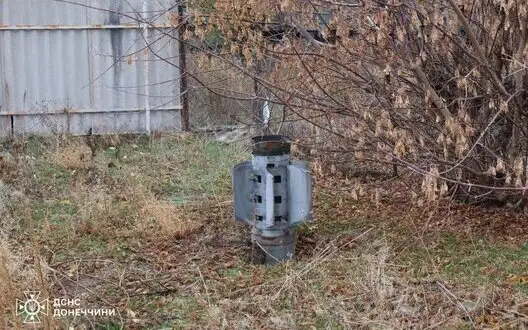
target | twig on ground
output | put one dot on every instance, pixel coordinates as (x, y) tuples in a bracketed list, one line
[(456, 302), (205, 287)]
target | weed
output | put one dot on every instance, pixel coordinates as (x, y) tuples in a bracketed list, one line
[(145, 227)]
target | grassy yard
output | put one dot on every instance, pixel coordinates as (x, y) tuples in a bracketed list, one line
[(145, 228)]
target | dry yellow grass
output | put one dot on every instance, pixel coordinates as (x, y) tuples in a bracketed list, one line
[(165, 216), (153, 237), (73, 154)]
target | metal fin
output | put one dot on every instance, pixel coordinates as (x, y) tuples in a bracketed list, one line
[(242, 192), (299, 192)]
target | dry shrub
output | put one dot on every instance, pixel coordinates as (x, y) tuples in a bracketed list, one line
[(160, 216), (96, 211), (7, 284), (167, 217), (378, 282), (428, 84), (73, 154), (8, 222), (207, 86), (76, 152), (8, 168), (17, 271), (357, 288), (179, 137), (15, 210), (22, 270), (156, 215), (127, 208), (110, 140)]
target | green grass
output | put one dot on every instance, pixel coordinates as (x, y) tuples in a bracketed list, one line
[(175, 311), (327, 321), (53, 176), (109, 326), (58, 213), (240, 271), (470, 260), (37, 146), (365, 281), (91, 246), (180, 170)]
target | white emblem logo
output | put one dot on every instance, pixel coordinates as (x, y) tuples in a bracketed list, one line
[(31, 308)]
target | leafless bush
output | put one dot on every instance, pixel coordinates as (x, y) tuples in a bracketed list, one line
[(224, 100), (438, 87)]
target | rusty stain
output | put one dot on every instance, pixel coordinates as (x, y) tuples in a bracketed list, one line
[(270, 145), (67, 110), (7, 94), (129, 59), (53, 26)]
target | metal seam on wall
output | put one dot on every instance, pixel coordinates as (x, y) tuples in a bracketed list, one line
[(72, 111), (76, 27)]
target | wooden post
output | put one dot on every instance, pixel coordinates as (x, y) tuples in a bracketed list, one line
[(183, 70)]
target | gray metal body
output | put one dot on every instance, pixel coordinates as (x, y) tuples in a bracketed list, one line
[(272, 194)]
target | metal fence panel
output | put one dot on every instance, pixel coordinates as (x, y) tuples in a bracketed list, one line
[(91, 65), (5, 126)]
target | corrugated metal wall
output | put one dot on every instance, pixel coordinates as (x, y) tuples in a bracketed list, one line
[(83, 64)]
